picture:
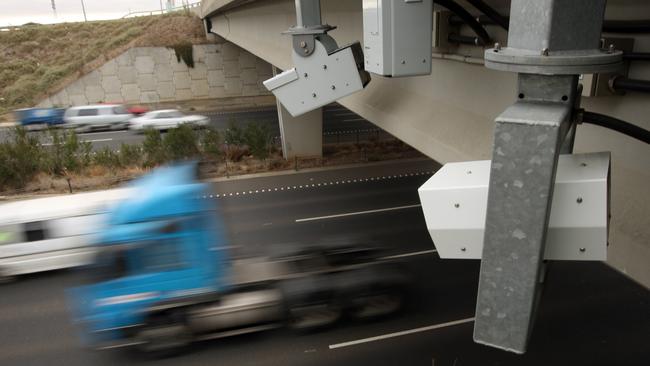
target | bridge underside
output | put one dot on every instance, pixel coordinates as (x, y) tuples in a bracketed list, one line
[(449, 115)]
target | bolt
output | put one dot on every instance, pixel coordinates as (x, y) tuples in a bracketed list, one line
[(463, 249), (303, 44), (403, 62), (333, 87), (611, 48), (456, 205), (306, 75), (424, 60), (306, 51), (469, 172), (313, 95), (582, 250), (497, 46), (545, 52), (579, 200), (324, 67), (583, 164)]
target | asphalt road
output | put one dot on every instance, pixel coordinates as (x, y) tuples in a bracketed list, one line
[(589, 314), (339, 125)]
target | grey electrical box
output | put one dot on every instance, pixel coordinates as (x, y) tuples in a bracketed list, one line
[(397, 37)]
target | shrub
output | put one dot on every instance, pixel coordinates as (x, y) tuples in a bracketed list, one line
[(211, 142), (258, 139), (181, 143), (67, 153), (153, 149), (130, 155), (234, 135), (184, 52), (20, 159), (107, 157), (236, 152)]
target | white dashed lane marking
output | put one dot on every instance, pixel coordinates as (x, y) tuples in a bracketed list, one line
[(400, 334), (315, 185), (357, 213), (411, 254)]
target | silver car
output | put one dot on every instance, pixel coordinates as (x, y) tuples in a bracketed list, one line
[(166, 119), (97, 117)]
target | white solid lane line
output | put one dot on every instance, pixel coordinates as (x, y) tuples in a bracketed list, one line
[(357, 213), (412, 254), (399, 334)]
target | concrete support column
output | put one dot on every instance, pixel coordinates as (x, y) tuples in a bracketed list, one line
[(301, 136)]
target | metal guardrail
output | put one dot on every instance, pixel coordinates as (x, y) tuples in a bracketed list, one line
[(129, 15), (147, 13)]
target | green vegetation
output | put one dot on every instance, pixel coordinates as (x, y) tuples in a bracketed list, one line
[(20, 159), (258, 138), (35, 60), (185, 52), (24, 156)]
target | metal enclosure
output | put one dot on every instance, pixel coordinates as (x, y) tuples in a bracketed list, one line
[(454, 202), (397, 37), (323, 72), (319, 79)]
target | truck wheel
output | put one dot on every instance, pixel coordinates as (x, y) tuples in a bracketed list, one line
[(313, 316), (376, 305), (163, 340)]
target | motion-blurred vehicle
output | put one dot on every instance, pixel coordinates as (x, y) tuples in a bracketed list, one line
[(42, 117), (164, 276), (51, 233), (166, 119), (138, 110), (97, 117)]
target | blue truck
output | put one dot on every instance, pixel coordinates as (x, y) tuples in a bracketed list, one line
[(40, 116), (163, 276)]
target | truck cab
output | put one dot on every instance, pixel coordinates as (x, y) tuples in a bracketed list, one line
[(162, 277), (161, 245)]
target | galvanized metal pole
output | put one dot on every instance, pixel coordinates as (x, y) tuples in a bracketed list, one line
[(83, 8), (308, 13), (550, 42)]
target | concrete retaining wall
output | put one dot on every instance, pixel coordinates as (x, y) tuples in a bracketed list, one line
[(152, 74)]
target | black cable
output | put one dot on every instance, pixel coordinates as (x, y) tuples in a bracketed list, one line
[(627, 26), (490, 13), (623, 83), (467, 18), (458, 38), (636, 56), (610, 26), (482, 20), (616, 125)]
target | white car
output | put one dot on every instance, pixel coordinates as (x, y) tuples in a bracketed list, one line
[(94, 117), (166, 119)]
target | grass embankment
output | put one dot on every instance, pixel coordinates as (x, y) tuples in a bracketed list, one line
[(65, 163), (37, 60)]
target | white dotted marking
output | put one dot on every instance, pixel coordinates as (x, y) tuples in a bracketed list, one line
[(354, 180)]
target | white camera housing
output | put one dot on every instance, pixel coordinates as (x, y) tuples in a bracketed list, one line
[(454, 202), (326, 75), (397, 37)]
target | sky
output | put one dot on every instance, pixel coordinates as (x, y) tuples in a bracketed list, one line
[(17, 12)]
